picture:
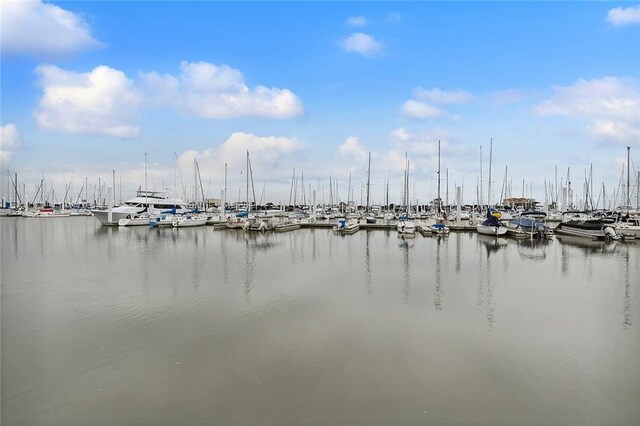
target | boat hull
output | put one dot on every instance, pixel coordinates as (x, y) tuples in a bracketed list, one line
[(491, 230), (586, 230), (136, 221), (406, 227), (103, 216)]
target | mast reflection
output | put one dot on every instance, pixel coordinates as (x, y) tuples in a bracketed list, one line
[(405, 244)]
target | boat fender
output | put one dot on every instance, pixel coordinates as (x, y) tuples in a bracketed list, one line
[(470, 222), (610, 233)]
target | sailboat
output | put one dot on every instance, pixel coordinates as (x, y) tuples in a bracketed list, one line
[(439, 228), (195, 217), (492, 224), (405, 225), (627, 226)]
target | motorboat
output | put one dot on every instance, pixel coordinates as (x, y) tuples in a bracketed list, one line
[(582, 224), (346, 227), (627, 227), (406, 226), (439, 228), (151, 202), (529, 224), (285, 225)]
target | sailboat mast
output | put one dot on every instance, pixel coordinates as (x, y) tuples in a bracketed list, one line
[(146, 193), (480, 200), (248, 206), (368, 182), (224, 195), (628, 178), (439, 203), (489, 184), (349, 191)]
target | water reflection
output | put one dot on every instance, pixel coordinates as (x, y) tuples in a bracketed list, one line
[(458, 251), (626, 301), (367, 257), (492, 244), (437, 297), (485, 290), (249, 263), (533, 249), (588, 246), (405, 244), (105, 323)]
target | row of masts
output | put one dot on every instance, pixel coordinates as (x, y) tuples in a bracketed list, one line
[(561, 194)]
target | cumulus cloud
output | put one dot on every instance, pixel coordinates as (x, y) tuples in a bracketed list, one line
[(624, 15), (420, 110), (443, 97), (363, 44), (35, 28), (357, 21), (422, 149), (400, 135), (352, 148), (219, 91), (265, 151), (611, 106), (99, 102), (10, 141), (423, 105)]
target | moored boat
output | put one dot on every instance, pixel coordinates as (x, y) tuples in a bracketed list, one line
[(346, 227), (529, 224), (581, 224), (406, 226), (150, 202), (492, 225)]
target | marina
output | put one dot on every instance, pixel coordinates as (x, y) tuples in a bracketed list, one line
[(319, 213)]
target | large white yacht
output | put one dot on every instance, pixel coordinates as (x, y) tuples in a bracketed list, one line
[(150, 202)]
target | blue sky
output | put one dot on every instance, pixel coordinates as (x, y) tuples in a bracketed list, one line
[(89, 87)]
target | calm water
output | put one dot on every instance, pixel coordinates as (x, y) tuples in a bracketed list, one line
[(196, 326)]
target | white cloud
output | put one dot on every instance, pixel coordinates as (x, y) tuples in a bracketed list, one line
[(422, 149), (42, 29), (219, 91), (357, 21), (99, 102), (420, 110), (422, 106), (617, 131), (400, 135), (265, 153), (363, 44), (10, 141), (611, 106), (443, 97), (624, 15), (609, 97), (352, 148)]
